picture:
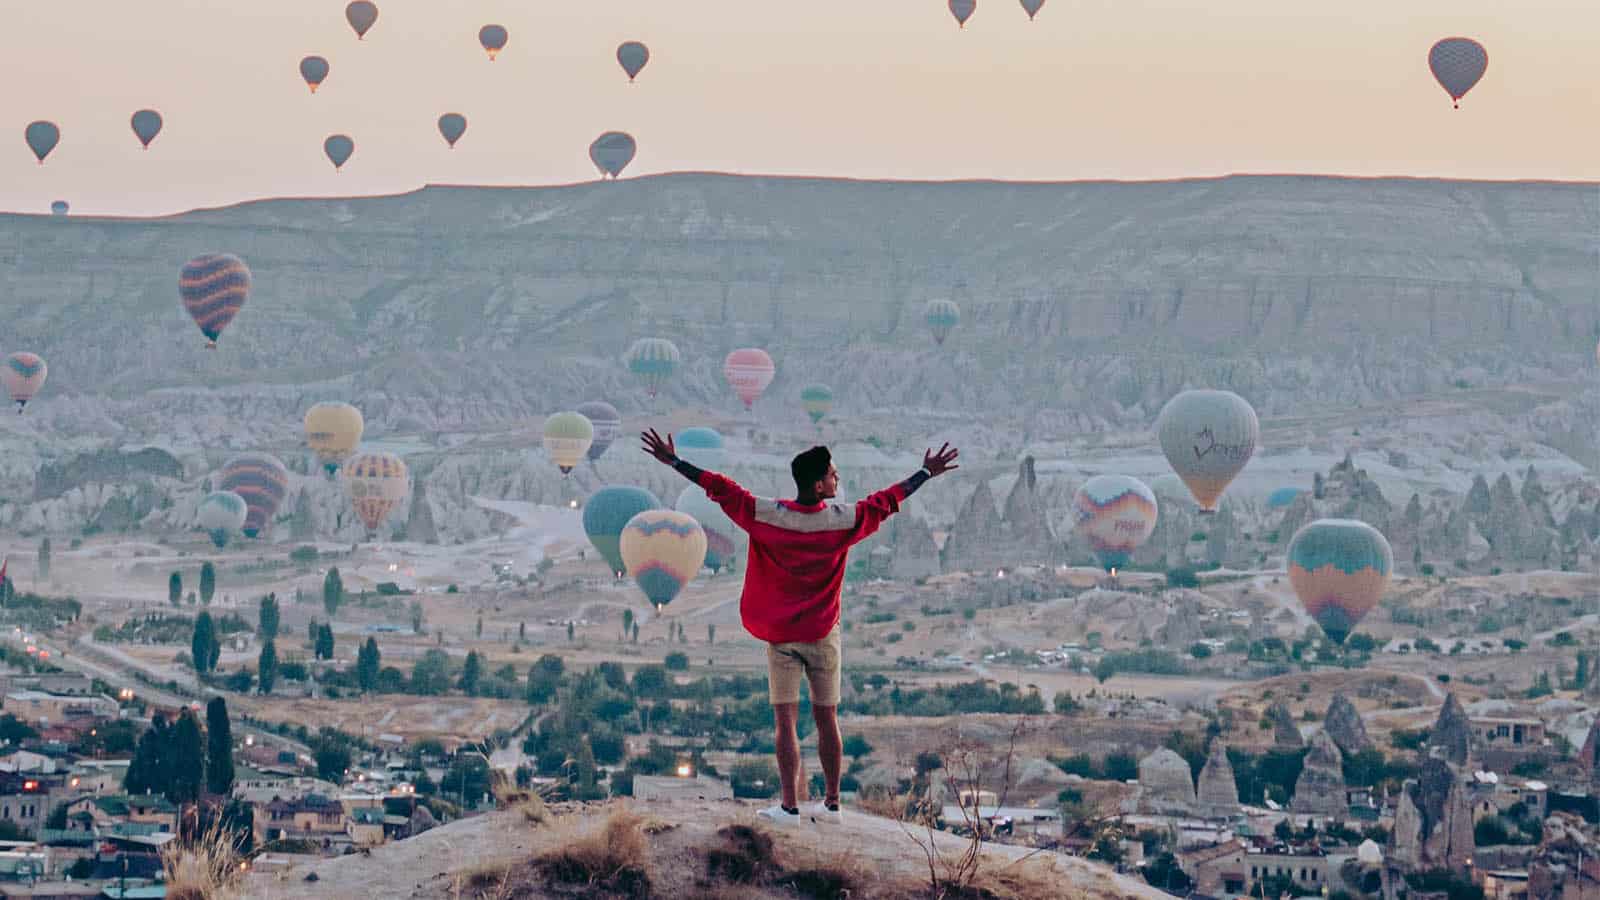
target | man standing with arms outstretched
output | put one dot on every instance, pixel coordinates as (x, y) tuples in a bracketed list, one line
[(798, 552)]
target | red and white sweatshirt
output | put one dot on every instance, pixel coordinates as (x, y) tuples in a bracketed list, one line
[(798, 553)]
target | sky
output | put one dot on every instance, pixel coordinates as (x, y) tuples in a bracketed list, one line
[(1094, 89)]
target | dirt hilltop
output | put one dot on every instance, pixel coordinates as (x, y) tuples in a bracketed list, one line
[(676, 849)]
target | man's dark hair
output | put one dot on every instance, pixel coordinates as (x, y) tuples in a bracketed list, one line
[(810, 467)]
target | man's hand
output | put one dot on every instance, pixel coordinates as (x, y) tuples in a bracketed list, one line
[(661, 449), (941, 462)]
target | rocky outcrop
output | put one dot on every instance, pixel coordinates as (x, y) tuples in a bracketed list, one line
[(1320, 788), (1433, 820), (103, 467), (1028, 533), (977, 538), (1451, 736), (1285, 733), (916, 555), (420, 526), (1182, 626), (1165, 783), (1217, 795), (1343, 723)]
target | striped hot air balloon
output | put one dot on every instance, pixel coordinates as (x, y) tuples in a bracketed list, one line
[(262, 481), (942, 317), (567, 438), (1208, 438), (1116, 514), (817, 400), (333, 431), (607, 425), (1339, 569), (607, 513), (663, 550), (214, 287), (378, 482), (701, 447), (722, 536), (653, 361), (749, 370), (23, 374), (220, 514)]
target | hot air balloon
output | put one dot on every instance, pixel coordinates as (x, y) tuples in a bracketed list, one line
[(221, 513), (941, 316), (1458, 63), (611, 152), (452, 126), (722, 536), (338, 147), (749, 370), (333, 431), (59, 207), (817, 400), (607, 513), (607, 425), (493, 38), (1339, 569), (361, 15), (653, 360), (146, 125), (42, 137), (567, 437), (633, 56), (663, 550), (1116, 513), (963, 10), (702, 447), (1032, 7), (262, 481), (314, 69), (23, 374), (1282, 497), (378, 482), (214, 288), (1208, 437)]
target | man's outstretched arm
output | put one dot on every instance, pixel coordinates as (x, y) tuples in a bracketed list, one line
[(738, 503), (871, 511)]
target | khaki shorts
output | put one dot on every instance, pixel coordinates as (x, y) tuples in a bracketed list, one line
[(816, 661)]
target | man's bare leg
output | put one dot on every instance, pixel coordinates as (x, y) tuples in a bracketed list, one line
[(830, 749), (788, 749)]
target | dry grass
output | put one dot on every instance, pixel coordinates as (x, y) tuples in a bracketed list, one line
[(615, 861), (203, 868), (507, 795)]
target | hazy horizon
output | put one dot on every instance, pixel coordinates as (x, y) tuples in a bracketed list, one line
[(892, 92)]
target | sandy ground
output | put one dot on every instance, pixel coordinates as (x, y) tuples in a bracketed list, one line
[(877, 850)]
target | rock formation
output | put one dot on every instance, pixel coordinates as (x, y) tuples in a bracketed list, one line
[(1451, 735), (1218, 793), (977, 538), (1165, 783), (1320, 788), (420, 526), (915, 553), (1343, 724), (103, 466), (1285, 733), (1433, 820), (1027, 524)]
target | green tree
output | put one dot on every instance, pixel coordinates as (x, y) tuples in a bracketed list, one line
[(416, 617), (332, 592), (711, 633), (268, 617), (189, 759), (204, 648), (471, 672), (368, 664), (627, 623), (44, 559), (267, 666), (150, 770), (522, 631), (219, 746), (312, 630), (544, 679), (569, 632), (676, 662), (430, 677), (175, 589), (651, 683), (636, 632), (856, 746), (324, 649), (208, 582), (480, 627), (333, 759), (585, 786)]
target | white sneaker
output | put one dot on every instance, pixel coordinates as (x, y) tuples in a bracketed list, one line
[(822, 815), (777, 815)]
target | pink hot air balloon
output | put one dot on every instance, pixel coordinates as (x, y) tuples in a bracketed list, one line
[(749, 371), (23, 373)]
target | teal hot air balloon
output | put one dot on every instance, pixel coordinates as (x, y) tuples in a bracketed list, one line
[(607, 425), (146, 124), (653, 361), (42, 137), (221, 513), (607, 514), (314, 69), (362, 15), (338, 147), (722, 536), (942, 317), (633, 56), (493, 39), (59, 207), (702, 447), (817, 400), (452, 126), (611, 152), (1339, 569), (1283, 496)]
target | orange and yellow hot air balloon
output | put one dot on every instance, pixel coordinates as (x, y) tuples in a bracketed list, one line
[(663, 550)]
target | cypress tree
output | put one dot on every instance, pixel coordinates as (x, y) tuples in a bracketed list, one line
[(219, 745), (188, 760)]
